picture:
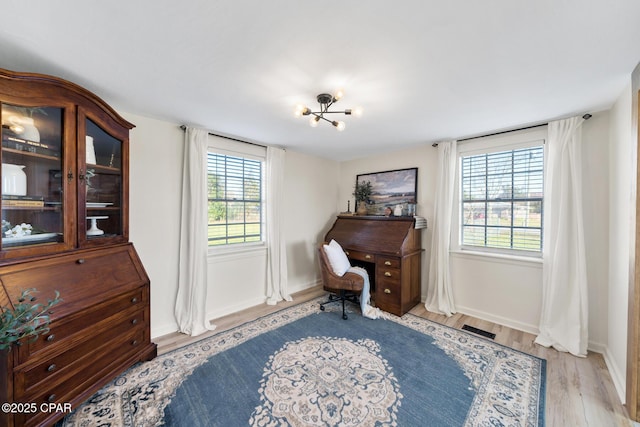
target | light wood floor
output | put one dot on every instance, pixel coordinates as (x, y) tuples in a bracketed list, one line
[(580, 391)]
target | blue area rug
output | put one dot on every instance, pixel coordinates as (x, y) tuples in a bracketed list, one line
[(303, 367)]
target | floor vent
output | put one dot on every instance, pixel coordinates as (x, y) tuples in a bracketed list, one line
[(479, 331)]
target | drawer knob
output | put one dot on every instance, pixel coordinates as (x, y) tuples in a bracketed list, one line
[(346, 252), (387, 263), (51, 337), (387, 290), (367, 256), (80, 261), (134, 300), (51, 367), (134, 342), (134, 321), (386, 273), (51, 398)]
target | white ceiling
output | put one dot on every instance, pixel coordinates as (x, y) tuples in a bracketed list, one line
[(422, 70)]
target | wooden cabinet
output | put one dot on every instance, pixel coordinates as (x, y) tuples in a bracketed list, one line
[(65, 160), (390, 250)]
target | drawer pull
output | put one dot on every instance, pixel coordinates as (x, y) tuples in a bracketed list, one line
[(387, 263), (51, 398), (134, 322), (346, 252), (134, 342), (387, 290), (80, 261), (367, 256), (386, 273), (51, 337), (51, 367), (134, 300)]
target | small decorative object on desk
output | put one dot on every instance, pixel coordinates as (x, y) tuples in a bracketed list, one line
[(348, 211), (362, 192), (420, 222)]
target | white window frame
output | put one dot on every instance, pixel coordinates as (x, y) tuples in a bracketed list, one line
[(492, 144), (229, 147)]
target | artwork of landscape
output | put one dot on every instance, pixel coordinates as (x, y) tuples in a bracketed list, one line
[(390, 188)]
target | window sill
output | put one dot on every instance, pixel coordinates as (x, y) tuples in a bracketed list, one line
[(497, 257), (227, 253)]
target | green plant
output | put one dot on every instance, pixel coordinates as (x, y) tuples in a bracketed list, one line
[(362, 191), (25, 320)]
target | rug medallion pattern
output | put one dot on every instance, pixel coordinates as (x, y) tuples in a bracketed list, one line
[(328, 381), (320, 381)]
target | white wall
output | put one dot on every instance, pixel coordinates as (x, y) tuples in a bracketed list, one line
[(154, 215), (595, 199), (620, 208), (237, 281)]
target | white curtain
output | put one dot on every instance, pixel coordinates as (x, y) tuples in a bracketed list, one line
[(564, 316), (439, 291), (276, 248), (191, 301)]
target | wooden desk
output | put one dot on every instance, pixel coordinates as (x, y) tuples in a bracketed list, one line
[(390, 249)]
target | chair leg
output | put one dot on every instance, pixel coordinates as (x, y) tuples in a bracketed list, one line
[(342, 296)]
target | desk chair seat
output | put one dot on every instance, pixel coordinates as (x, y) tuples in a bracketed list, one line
[(341, 288)]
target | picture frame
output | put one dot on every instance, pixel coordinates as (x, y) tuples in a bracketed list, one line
[(391, 188)]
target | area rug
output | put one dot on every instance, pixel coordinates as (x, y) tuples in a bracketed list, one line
[(303, 367)]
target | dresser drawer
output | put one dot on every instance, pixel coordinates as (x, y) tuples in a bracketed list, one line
[(61, 366), (83, 278), (72, 329)]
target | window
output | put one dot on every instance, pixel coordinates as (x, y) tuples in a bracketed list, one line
[(502, 199), (235, 202)]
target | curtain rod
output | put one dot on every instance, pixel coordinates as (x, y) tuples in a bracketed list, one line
[(587, 116), (183, 127)]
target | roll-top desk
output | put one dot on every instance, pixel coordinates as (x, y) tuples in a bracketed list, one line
[(390, 250)]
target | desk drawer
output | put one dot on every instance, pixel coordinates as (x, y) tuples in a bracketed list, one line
[(388, 295), (91, 367), (64, 331), (361, 256), (64, 365), (387, 262)]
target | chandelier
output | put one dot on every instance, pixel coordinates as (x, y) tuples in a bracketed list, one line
[(326, 100)]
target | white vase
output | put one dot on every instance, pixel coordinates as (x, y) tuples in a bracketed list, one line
[(14, 180)]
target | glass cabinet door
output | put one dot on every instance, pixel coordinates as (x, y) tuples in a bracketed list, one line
[(33, 179), (101, 184)]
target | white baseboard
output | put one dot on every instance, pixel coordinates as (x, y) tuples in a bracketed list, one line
[(243, 305), (616, 375), (163, 330), (514, 324)]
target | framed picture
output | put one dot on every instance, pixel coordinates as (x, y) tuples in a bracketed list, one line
[(391, 188)]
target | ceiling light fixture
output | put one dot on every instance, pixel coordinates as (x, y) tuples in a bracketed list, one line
[(326, 100)]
